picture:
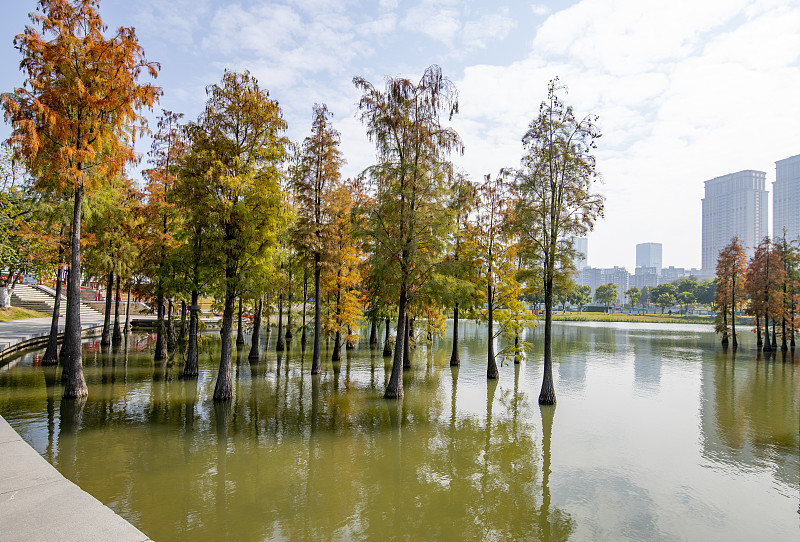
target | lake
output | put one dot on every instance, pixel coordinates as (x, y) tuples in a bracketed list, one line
[(658, 434)]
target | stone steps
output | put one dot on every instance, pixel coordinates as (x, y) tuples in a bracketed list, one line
[(38, 299)]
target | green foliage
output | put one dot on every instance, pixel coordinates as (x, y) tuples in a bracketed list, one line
[(664, 295), (606, 294)]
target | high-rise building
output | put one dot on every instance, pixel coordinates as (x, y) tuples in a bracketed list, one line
[(649, 255), (786, 199), (734, 205), (581, 247)]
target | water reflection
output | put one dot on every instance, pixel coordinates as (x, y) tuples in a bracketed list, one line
[(296, 456)]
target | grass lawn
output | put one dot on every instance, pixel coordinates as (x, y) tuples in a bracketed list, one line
[(626, 317), (18, 313)]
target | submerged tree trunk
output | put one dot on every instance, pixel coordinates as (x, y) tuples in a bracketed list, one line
[(387, 348), (240, 327), (305, 298), (279, 346), (170, 326), (191, 368), (394, 390), (407, 345), (759, 341), (289, 334), (547, 396), (184, 322), (733, 312), (491, 369), (316, 364), (161, 331), (774, 339), (75, 385), (455, 359), (127, 327), (373, 332), (337, 347), (725, 328), (116, 338), (256, 337), (223, 391), (51, 354), (105, 337)]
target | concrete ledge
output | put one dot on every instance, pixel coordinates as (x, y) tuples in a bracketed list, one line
[(31, 341), (37, 503)]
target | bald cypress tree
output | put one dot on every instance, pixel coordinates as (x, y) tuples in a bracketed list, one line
[(74, 122)]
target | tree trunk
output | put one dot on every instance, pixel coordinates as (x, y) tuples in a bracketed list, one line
[(547, 396), (105, 338), (387, 349), (223, 391), (733, 312), (240, 327), (191, 369), (305, 297), (759, 341), (75, 385), (256, 336), (491, 369), (289, 334), (725, 328), (279, 346), (337, 347), (373, 332), (170, 326), (349, 344), (161, 332), (455, 358), (407, 345), (767, 345), (394, 390), (784, 346), (128, 311), (316, 364), (51, 354), (184, 322), (774, 340), (116, 336)]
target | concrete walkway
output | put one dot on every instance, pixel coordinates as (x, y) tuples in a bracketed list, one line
[(36, 502)]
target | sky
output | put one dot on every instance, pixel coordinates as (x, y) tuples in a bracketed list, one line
[(685, 90)]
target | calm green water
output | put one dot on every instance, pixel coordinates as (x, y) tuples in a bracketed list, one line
[(657, 435)]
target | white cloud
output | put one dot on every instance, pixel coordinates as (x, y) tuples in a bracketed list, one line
[(438, 22), (685, 92), (492, 26)]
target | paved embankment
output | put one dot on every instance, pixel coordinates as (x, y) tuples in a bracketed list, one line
[(37, 503), (17, 335)]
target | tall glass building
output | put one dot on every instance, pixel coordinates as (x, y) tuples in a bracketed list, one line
[(734, 205), (786, 199)]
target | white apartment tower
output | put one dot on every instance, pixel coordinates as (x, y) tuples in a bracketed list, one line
[(786, 199), (734, 205)]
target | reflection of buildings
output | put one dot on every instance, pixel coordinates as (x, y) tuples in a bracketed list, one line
[(646, 365)]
